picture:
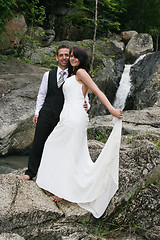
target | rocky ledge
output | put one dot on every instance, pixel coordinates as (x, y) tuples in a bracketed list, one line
[(27, 212)]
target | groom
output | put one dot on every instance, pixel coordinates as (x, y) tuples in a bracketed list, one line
[(49, 105)]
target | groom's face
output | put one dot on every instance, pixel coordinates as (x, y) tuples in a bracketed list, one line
[(62, 57)]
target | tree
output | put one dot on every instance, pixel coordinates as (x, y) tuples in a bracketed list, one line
[(108, 15), (142, 16), (94, 36)]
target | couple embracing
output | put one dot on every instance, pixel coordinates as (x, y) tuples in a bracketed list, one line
[(60, 151)]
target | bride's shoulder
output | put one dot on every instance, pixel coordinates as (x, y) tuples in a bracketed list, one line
[(81, 72)]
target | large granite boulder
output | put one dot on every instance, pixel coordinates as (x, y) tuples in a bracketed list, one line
[(127, 35), (113, 46), (138, 45), (19, 87)]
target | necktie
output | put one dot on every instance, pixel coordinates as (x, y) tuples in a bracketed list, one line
[(61, 78)]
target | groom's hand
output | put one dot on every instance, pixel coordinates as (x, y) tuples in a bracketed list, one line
[(35, 119), (85, 106)]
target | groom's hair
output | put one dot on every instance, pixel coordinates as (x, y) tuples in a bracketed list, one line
[(61, 46)]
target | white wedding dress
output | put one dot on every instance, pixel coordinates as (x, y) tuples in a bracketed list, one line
[(66, 168)]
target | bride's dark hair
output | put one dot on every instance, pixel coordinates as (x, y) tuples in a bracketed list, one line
[(81, 54)]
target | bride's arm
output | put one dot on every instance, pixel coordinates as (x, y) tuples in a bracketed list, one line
[(84, 77)]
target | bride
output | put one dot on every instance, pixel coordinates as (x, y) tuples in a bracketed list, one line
[(67, 170)]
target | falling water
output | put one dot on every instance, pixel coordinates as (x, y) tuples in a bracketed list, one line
[(123, 89), (125, 85)]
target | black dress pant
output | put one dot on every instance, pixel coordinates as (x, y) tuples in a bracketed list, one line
[(43, 130)]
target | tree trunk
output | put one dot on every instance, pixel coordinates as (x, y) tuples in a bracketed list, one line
[(94, 38), (157, 43)]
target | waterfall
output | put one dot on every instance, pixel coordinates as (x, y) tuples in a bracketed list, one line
[(125, 85), (124, 88)]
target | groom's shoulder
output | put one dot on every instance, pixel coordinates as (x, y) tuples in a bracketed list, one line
[(53, 73), (53, 70)]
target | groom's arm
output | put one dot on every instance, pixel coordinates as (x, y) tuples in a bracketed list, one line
[(42, 93), (41, 97)]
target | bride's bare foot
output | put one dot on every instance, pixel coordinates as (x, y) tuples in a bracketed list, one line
[(56, 199), (25, 177)]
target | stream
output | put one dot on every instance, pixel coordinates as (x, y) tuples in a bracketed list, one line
[(11, 163)]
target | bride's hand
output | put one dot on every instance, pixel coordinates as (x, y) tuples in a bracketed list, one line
[(117, 113)]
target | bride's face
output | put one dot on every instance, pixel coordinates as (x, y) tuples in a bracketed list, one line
[(74, 61)]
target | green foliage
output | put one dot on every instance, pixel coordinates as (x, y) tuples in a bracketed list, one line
[(29, 38), (142, 16), (26, 60), (6, 12), (128, 141), (101, 228), (153, 180), (97, 135), (109, 13), (49, 60), (3, 58), (158, 145), (102, 137), (96, 69), (34, 12)]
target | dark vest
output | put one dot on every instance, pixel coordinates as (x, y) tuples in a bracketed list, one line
[(54, 100)]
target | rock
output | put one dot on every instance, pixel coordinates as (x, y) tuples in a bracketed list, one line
[(111, 68), (45, 37), (20, 83), (51, 20), (138, 45), (5, 87), (33, 215), (112, 46), (95, 148), (107, 80), (82, 235), (145, 89), (136, 201), (10, 236), (38, 33), (134, 122), (127, 35), (141, 212), (15, 28)]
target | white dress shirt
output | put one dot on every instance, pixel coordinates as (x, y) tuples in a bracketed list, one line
[(44, 87)]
